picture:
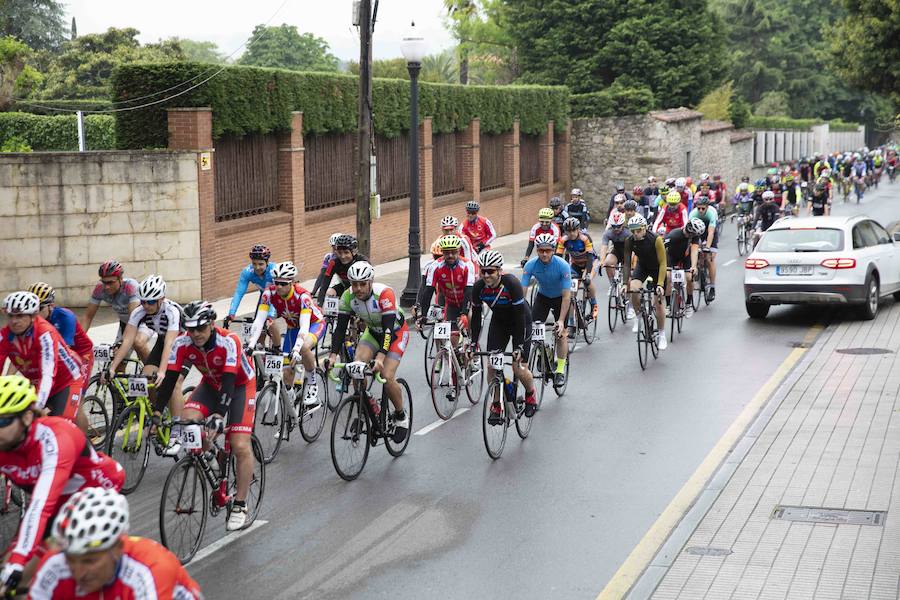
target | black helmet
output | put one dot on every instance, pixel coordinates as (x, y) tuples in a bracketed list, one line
[(345, 240), (702, 201), (571, 224), (260, 252), (555, 202), (630, 205)]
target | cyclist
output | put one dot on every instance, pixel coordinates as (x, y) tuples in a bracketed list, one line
[(67, 325), (684, 191), (650, 251), (766, 214), (97, 558), (453, 279), (743, 201), (39, 352), (620, 189), (305, 324), (345, 256), (385, 338), (546, 225), (858, 176), (790, 200), (559, 211), (120, 293), (652, 189), (554, 278), (332, 241), (259, 273), (710, 218), (227, 387), (578, 209), (510, 319), (50, 459), (612, 245), (682, 250), (618, 201), (819, 200), (478, 230), (580, 248), (673, 216)]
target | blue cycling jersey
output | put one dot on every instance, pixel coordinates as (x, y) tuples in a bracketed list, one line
[(553, 278), (248, 276), (64, 321)]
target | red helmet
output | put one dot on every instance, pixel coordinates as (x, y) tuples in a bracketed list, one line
[(111, 268), (637, 191)]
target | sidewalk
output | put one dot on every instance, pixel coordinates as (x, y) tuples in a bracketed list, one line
[(828, 439)]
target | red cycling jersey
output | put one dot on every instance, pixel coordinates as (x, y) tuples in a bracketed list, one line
[(479, 233), (450, 281), (538, 228), (41, 355), (53, 462), (290, 308), (672, 219), (221, 354), (146, 570)]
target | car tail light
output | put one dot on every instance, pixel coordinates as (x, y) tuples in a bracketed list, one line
[(756, 263), (839, 263)]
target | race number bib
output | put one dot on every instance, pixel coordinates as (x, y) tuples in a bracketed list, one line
[(496, 361), (356, 369), (246, 328), (137, 387), (331, 306), (442, 330), (102, 352), (678, 276), (574, 286), (434, 313), (191, 437), (538, 332), (274, 363)]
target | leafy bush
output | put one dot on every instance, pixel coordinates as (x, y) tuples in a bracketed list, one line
[(248, 100), (738, 111), (45, 107), (613, 101), (755, 122), (716, 104), (839, 125), (15, 144), (59, 133)]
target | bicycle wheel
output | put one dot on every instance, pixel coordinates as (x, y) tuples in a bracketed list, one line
[(445, 385), (673, 312), (590, 323), (643, 346), (395, 449), (572, 329), (681, 307), (430, 353), (474, 370), (129, 444), (561, 389), (350, 431), (523, 423), (106, 395), (651, 332), (742, 234), (494, 435), (312, 418), (537, 367), (182, 511), (612, 308), (12, 510), (257, 483), (700, 287), (97, 419), (271, 423)]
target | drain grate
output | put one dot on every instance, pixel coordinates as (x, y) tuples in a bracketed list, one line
[(707, 551), (799, 344), (838, 516), (864, 351)]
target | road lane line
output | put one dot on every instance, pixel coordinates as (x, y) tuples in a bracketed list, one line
[(642, 554), (730, 262), (225, 540), (432, 426)]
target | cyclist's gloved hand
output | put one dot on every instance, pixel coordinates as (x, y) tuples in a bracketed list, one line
[(226, 322), (296, 357), (10, 577), (479, 247), (660, 291), (523, 261), (216, 424)]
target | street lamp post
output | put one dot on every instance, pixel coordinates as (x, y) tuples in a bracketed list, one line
[(413, 48)]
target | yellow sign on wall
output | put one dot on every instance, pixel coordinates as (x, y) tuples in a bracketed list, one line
[(205, 161)]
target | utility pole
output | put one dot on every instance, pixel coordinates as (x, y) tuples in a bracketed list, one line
[(364, 133)]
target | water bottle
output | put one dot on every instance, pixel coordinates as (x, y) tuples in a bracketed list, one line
[(509, 389)]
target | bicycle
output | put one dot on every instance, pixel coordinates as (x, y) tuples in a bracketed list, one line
[(646, 333), (542, 362), (744, 235), (435, 313), (450, 371), (677, 301), (12, 509), (581, 304), (702, 279), (617, 300), (357, 424), (204, 483), (106, 395), (512, 406)]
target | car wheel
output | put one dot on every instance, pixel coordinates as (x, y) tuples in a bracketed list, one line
[(870, 308), (757, 310), (897, 296)]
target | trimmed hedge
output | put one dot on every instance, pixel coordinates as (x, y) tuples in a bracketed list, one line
[(35, 107), (58, 133), (755, 122), (256, 100), (612, 102), (839, 125)]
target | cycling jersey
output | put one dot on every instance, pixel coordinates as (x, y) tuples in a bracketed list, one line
[(553, 278), (792, 194), (819, 202), (453, 282), (221, 355), (538, 228), (147, 570), (336, 267), (710, 217), (580, 250), (579, 210), (767, 214), (53, 462), (744, 203), (670, 218), (678, 248), (383, 318), (617, 239), (292, 308), (479, 232), (166, 319), (859, 169), (41, 355), (248, 275), (71, 331), (121, 300), (651, 258), (560, 217), (510, 315)]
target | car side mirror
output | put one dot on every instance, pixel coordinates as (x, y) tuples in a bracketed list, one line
[(897, 236)]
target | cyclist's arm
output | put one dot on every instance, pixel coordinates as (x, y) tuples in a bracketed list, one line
[(661, 257), (517, 297), (427, 294), (262, 313), (526, 275), (475, 323), (626, 261), (320, 279), (66, 328), (492, 233), (173, 330), (89, 314), (467, 298), (327, 276), (305, 318), (125, 348), (48, 367), (564, 304), (239, 291), (530, 248), (695, 254), (388, 320), (340, 332)]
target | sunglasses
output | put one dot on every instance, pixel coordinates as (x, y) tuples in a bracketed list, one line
[(488, 271), (191, 329), (702, 208), (617, 226), (7, 421), (109, 282), (149, 302), (282, 283)]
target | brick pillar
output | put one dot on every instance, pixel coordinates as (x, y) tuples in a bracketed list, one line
[(427, 223), (191, 129), (565, 166), (511, 172), (547, 159), (469, 154), (290, 184)]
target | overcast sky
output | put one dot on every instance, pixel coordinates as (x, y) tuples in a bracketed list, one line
[(229, 23)]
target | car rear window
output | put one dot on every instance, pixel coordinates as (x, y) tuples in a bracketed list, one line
[(802, 240)]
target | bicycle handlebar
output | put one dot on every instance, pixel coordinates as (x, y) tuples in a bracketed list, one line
[(368, 371)]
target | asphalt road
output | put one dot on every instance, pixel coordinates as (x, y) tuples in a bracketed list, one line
[(555, 516)]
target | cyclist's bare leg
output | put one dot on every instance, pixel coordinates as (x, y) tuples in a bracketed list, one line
[(521, 372), (142, 346), (243, 453), (711, 263), (365, 353), (610, 263), (274, 331)]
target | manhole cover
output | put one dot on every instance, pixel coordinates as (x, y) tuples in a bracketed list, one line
[(864, 351), (815, 514), (799, 344), (708, 551)]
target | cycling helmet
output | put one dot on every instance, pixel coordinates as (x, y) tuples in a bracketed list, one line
[(768, 195), (152, 288), (651, 179), (663, 190), (571, 224), (637, 191), (332, 241), (284, 270), (702, 201), (577, 192), (744, 186), (789, 179), (545, 214), (490, 258), (260, 252), (199, 312), (91, 520), (619, 198), (679, 183), (555, 202), (45, 293), (449, 221), (760, 183), (450, 242), (472, 206), (673, 197), (16, 394), (21, 303), (704, 177), (111, 268), (670, 181), (616, 220), (620, 188), (544, 240), (694, 227), (361, 271), (629, 205), (637, 222), (345, 240)]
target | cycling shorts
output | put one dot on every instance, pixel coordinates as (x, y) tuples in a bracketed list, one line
[(64, 403), (543, 306), (500, 334), (587, 267), (640, 273), (452, 313), (290, 336), (207, 400), (399, 341)]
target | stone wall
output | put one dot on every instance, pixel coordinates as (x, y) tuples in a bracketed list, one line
[(62, 214)]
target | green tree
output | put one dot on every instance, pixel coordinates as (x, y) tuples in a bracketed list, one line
[(715, 104), (38, 23), (388, 68), (205, 52), (773, 103), (440, 68), (284, 47), (13, 55), (738, 111), (485, 51)]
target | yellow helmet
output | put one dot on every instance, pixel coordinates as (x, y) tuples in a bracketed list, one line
[(545, 214), (450, 242), (44, 292), (16, 394), (673, 197)]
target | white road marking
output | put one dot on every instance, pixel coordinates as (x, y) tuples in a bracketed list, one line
[(732, 261), (225, 540), (432, 426)]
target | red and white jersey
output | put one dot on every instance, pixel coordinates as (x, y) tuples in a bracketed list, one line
[(147, 571), (479, 232), (53, 462), (221, 354), (450, 281), (672, 219), (41, 355), (292, 307), (538, 228)]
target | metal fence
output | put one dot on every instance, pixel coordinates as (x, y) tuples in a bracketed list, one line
[(329, 170), (393, 166), (529, 159), (446, 175), (246, 176), (491, 162)]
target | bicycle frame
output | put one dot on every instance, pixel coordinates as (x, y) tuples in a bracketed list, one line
[(163, 431)]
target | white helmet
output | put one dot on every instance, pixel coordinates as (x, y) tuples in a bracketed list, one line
[(361, 271), (545, 239), (680, 182), (449, 221), (490, 258), (636, 222), (695, 227), (617, 219), (92, 519), (768, 195), (704, 176), (333, 239), (577, 192), (22, 303), (284, 270), (744, 186), (152, 288)]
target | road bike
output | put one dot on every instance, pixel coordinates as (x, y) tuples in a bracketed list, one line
[(204, 483), (106, 394), (580, 318), (617, 300), (451, 371), (677, 301), (12, 509), (744, 234), (702, 280), (502, 406), (646, 316), (361, 421), (542, 362)]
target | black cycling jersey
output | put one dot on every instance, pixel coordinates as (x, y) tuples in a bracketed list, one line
[(678, 248), (508, 308), (336, 267), (767, 214)]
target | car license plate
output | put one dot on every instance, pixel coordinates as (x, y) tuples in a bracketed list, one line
[(794, 270)]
